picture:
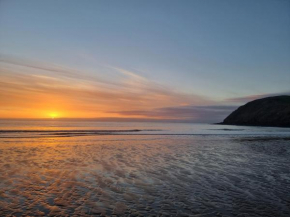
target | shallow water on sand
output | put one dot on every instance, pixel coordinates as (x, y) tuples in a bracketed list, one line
[(145, 175)]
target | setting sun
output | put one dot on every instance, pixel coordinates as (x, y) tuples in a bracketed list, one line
[(53, 115)]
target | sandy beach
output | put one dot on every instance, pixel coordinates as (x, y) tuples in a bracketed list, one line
[(122, 175)]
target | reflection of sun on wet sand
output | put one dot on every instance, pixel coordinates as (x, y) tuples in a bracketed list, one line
[(142, 176)]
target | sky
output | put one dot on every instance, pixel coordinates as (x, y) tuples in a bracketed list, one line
[(193, 61)]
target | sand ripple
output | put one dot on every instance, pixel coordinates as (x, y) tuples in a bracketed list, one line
[(145, 176)]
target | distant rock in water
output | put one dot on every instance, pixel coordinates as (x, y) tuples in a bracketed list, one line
[(270, 111)]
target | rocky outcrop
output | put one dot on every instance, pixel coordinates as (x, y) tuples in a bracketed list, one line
[(270, 111)]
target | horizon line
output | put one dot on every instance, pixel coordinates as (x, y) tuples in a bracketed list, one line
[(108, 120)]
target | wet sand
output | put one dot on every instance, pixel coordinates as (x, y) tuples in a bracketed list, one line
[(145, 175)]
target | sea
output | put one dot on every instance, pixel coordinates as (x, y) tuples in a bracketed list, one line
[(92, 168)]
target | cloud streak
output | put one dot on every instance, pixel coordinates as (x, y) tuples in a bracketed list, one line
[(28, 87), (245, 99), (203, 114)]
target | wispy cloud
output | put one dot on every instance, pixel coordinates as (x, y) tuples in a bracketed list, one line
[(245, 99), (31, 89), (34, 86), (16, 64), (185, 113)]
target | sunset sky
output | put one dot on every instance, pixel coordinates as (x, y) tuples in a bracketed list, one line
[(193, 60)]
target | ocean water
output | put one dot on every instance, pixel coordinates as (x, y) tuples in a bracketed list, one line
[(87, 168)]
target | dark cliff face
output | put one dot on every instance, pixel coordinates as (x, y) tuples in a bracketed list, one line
[(270, 111)]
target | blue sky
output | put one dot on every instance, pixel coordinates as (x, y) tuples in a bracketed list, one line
[(216, 50)]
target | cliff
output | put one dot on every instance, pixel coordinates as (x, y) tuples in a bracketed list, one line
[(270, 111)]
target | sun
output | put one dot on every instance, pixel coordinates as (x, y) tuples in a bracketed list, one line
[(53, 115)]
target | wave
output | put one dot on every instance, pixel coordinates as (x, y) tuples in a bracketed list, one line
[(64, 133), (70, 131), (21, 133)]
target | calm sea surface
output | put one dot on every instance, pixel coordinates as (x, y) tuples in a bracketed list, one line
[(87, 168)]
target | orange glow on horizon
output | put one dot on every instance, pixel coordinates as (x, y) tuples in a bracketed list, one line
[(27, 93)]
